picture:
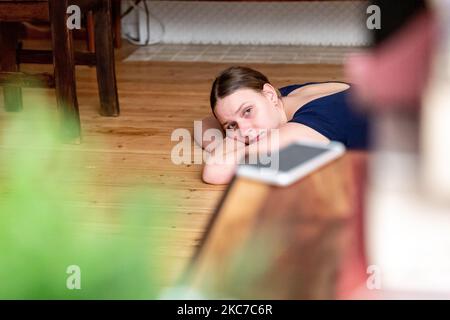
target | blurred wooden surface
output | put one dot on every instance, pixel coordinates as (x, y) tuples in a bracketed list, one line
[(134, 149), (268, 242)]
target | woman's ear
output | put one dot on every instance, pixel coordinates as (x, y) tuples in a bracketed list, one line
[(270, 92)]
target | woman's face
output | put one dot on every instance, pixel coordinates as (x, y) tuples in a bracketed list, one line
[(246, 114)]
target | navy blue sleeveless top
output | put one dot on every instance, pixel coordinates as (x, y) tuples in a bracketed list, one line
[(333, 117)]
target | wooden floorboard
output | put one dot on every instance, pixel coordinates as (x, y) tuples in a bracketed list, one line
[(133, 150)]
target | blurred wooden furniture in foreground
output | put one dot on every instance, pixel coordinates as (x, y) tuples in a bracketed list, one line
[(299, 242), (63, 57)]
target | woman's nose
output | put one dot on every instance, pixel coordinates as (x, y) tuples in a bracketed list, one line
[(244, 127), (244, 131)]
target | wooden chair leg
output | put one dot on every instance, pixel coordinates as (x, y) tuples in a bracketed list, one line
[(64, 66), (106, 73), (90, 32), (9, 33), (117, 23)]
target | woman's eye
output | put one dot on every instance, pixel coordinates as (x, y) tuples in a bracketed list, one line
[(231, 126), (247, 111)]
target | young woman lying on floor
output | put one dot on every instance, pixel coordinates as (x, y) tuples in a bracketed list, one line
[(246, 107)]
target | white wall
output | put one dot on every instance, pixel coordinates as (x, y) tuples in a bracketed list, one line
[(340, 23)]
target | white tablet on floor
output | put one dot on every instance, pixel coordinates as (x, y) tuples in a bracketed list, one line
[(292, 163)]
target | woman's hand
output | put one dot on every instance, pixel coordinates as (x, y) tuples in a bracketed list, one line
[(209, 122)]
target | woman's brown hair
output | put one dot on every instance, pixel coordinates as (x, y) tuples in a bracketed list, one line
[(234, 78)]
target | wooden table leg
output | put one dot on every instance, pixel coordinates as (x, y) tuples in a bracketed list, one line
[(64, 65), (9, 32), (106, 74)]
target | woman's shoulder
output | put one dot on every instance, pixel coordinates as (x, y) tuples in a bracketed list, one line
[(313, 88), (286, 90)]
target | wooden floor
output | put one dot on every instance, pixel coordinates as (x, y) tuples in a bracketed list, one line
[(134, 149)]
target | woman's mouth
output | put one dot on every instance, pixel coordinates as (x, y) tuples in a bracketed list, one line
[(255, 139)]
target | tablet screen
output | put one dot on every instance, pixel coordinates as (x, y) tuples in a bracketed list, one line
[(291, 157)]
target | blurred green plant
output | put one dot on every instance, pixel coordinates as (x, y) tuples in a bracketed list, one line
[(40, 232)]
